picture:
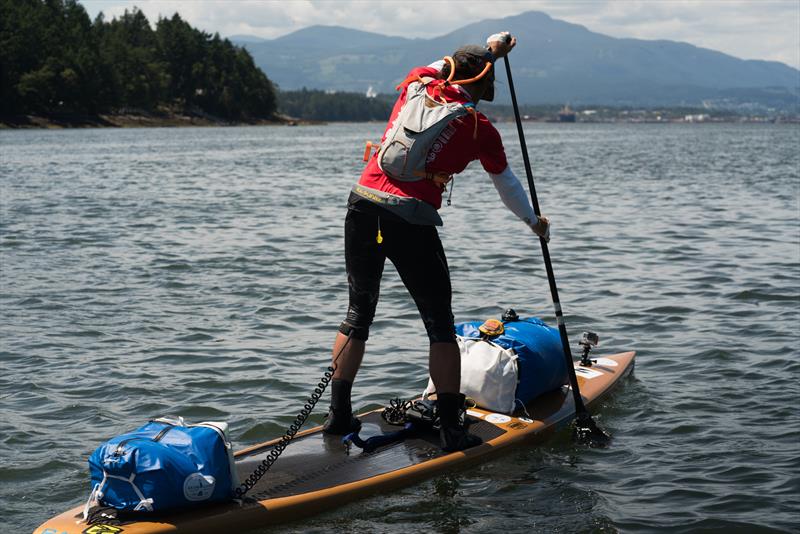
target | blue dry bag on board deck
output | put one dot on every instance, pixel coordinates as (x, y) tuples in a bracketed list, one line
[(535, 350), (162, 465)]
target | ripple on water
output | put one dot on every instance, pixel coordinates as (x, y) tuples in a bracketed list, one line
[(763, 296)]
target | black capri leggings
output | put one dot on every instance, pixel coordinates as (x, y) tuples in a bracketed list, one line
[(417, 254)]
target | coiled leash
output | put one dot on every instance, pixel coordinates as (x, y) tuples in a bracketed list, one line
[(395, 413), (293, 429), (423, 413)]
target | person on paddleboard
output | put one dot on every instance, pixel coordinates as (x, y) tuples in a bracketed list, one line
[(433, 133)]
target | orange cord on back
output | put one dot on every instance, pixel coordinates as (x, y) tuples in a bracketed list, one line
[(452, 68), (413, 78), (472, 80), (437, 90)]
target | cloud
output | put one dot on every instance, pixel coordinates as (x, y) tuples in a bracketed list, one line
[(768, 29), (751, 30)]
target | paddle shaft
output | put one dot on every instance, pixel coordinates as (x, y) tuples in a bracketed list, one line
[(580, 408)]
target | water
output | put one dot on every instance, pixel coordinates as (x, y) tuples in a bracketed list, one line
[(200, 272)]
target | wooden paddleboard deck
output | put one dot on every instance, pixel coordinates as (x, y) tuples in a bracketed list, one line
[(315, 473)]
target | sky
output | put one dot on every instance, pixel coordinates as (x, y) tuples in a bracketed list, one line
[(754, 29)]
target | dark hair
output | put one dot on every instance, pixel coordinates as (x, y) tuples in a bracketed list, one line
[(467, 66)]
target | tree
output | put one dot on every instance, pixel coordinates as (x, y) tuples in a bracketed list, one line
[(54, 58)]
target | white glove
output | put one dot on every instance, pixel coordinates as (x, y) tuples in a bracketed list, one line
[(500, 44)]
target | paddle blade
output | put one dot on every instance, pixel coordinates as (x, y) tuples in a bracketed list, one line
[(588, 433)]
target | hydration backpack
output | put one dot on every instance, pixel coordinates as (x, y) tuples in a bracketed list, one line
[(403, 153)]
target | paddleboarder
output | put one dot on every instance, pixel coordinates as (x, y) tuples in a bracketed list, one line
[(433, 133)]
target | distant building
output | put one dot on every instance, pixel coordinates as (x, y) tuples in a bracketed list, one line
[(371, 93), (702, 117)]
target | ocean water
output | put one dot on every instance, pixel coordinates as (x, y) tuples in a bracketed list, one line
[(200, 272)]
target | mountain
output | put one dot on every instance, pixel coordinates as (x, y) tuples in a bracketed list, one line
[(240, 39), (554, 62)]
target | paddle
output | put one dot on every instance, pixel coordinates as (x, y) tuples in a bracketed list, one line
[(586, 430)]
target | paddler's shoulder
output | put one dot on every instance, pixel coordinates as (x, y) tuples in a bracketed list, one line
[(424, 72)]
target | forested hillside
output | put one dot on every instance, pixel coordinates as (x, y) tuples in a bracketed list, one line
[(54, 59)]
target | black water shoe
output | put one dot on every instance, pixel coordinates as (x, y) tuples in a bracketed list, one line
[(340, 417), (453, 433), (341, 424), (457, 439)]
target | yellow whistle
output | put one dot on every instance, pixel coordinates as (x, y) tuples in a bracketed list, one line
[(379, 239)]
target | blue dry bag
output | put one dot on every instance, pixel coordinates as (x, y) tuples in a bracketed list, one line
[(541, 364), (162, 465)]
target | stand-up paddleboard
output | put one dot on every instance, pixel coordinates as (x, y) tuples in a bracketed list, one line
[(316, 473)]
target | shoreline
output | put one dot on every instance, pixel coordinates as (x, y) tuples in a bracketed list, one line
[(178, 120), (136, 120)]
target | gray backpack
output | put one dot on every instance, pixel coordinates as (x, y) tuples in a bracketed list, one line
[(403, 154)]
